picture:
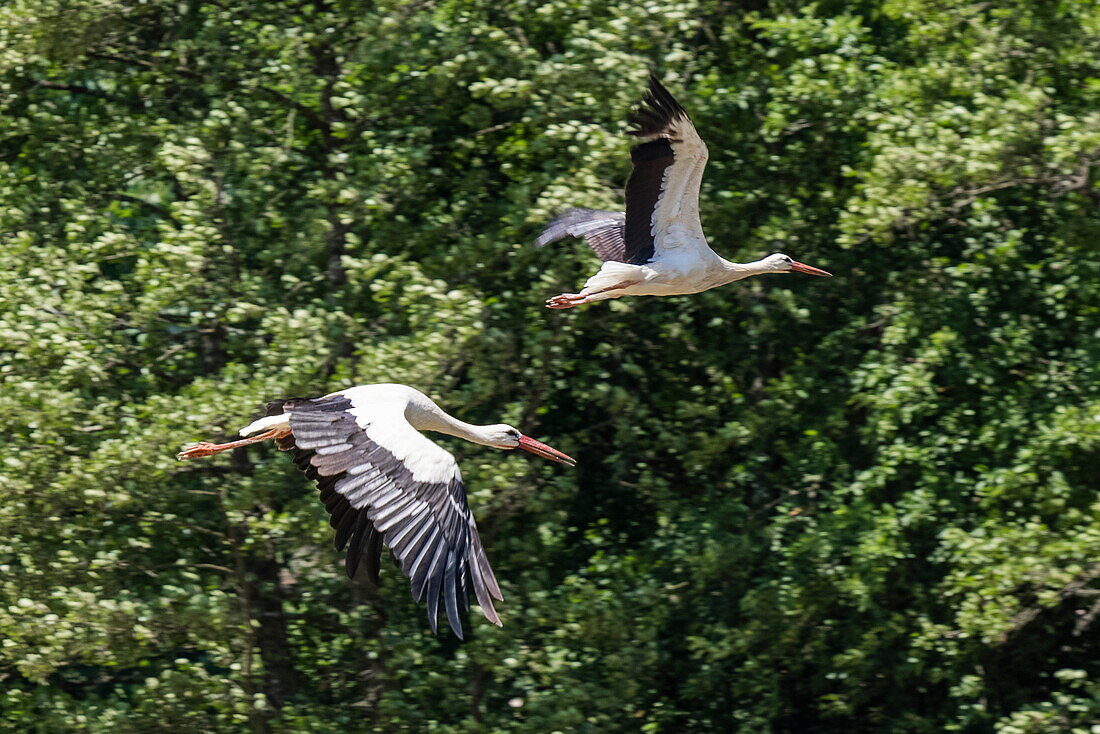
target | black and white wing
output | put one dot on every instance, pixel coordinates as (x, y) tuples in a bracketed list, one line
[(662, 194), (602, 231), (385, 484)]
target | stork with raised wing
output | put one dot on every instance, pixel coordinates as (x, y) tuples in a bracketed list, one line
[(385, 484), (657, 247)]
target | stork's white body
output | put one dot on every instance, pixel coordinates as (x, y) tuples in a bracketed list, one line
[(677, 271), (393, 415)]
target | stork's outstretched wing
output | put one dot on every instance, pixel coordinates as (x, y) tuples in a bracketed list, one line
[(662, 194), (602, 231), (383, 483)]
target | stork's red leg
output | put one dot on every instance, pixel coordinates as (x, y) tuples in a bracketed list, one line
[(569, 300), (205, 448), (565, 300)]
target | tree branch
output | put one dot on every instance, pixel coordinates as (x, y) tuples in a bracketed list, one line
[(1079, 582), (76, 89), (155, 208)]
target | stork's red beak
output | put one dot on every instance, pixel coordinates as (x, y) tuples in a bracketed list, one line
[(808, 269), (540, 449)]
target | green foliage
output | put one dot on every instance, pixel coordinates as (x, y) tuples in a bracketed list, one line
[(863, 504)]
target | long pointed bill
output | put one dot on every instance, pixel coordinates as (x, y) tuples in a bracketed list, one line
[(540, 449), (809, 269)]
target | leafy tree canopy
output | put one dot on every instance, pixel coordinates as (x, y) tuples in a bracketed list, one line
[(868, 504)]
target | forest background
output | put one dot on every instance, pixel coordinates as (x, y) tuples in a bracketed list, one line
[(864, 504)]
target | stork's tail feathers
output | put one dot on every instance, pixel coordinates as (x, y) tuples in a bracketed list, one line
[(267, 422), (612, 274), (277, 416)]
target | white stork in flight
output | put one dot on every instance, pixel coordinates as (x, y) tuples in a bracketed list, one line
[(657, 247), (385, 483)]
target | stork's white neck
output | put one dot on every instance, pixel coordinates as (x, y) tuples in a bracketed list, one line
[(732, 271), (428, 416)]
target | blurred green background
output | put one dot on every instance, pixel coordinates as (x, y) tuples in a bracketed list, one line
[(864, 504)]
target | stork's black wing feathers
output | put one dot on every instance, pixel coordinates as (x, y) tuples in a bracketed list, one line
[(373, 500), (657, 119), (643, 193), (349, 524), (658, 112)]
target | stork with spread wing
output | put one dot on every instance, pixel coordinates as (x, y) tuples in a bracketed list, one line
[(385, 484), (657, 247)]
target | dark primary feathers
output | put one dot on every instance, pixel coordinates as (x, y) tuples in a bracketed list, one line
[(373, 500), (657, 114), (643, 194), (630, 238)]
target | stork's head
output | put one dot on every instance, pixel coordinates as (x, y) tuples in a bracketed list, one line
[(504, 436), (780, 263)]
